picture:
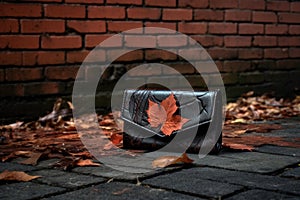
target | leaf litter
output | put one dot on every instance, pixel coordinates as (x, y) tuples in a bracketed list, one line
[(54, 135)]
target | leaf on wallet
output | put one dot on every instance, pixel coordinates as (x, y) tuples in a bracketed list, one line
[(165, 161), (163, 115), (16, 176)]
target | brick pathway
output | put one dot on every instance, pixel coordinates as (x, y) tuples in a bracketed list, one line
[(270, 172)]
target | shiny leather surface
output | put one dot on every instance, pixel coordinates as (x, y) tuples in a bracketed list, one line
[(198, 107)]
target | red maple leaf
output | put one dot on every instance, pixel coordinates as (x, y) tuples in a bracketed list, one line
[(163, 115)]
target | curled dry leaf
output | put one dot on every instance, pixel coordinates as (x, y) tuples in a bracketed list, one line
[(86, 162), (165, 161), (241, 147), (16, 176)]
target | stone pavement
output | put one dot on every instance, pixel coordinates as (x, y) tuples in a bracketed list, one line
[(269, 172)]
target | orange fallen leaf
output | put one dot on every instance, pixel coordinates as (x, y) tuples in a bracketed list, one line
[(163, 115), (16, 176), (165, 161), (235, 146), (86, 162), (116, 138)]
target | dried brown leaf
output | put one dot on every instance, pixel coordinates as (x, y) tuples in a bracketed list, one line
[(165, 161), (235, 146), (86, 162), (32, 160), (16, 176)]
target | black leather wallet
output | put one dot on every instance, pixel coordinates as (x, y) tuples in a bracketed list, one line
[(154, 119)]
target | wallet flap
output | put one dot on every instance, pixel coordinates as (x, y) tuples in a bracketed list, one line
[(196, 106)]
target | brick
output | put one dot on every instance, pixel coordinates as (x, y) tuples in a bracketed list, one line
[(2, 75), (237, 41), (182, 68), (61, 42), (157, 54), (278, 6), (61, 73), (50, 57), (143, 13), (265, 41), (125, 2), (136, 55), (93, 40), (9, 26), (289, 17), (252, 5), (86, 26), (42, 26), (23, 74), (118, 26), (223, 4), (273, 29), (222, 53), (250, 29), (193, 3), (252, 53), (85, 1), (19, 41), (294, 52), (168, 25), (64, 11), (76, 56), (295, 6), (289, 41), (237, 15), (251, 78), (43, 88), (177, 14), (276, 53), (11, 90), (159, 3), (230, 78), (288, 64), (106, 12), (192, 28), (172, 41), (236, 66), (20, 10), (294, 29), (140, 42), (258, 16), (222, 28), (208, 41), (29, 58), (208, 15), (10, 58)]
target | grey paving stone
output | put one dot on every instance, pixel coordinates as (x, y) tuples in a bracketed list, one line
[(15, 167), (248, 161), (26, 190), (108, 172), (120, 191), (261, 194), (65, 179), (295, 173), (246, 179), (288, 151), (188, 181), (47, 163)]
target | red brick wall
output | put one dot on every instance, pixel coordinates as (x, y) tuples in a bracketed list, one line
[(255, 43)]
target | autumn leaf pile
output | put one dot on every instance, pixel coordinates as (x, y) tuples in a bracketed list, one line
[(251, 108)]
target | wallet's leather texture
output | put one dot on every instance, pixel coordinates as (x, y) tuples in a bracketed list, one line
[(198, 107)]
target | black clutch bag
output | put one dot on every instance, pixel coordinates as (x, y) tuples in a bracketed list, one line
[(175, 121)]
